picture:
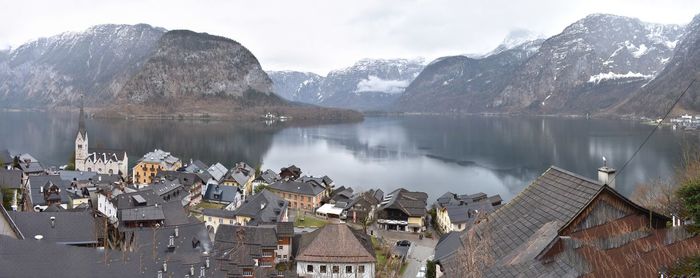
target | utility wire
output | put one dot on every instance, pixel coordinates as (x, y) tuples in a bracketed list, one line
[(653, 130)]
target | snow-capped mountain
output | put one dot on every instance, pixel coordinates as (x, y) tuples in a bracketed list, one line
[(58, 69), (591, 66), (369, 84), (296, 86)]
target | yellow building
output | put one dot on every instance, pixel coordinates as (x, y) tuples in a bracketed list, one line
[(152, 163)]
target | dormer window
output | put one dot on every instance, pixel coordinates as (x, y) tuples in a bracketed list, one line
[(80, 146)]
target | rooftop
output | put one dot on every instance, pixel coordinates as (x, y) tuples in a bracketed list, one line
[(336, 243)]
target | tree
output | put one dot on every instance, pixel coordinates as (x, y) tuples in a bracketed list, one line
[(430, 269), (260, 188), (658, 195), (689, 193), (71, 162)]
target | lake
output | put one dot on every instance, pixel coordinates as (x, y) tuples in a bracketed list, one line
[(434, 154)]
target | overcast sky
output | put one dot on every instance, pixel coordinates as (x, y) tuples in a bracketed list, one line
[(320, 36)]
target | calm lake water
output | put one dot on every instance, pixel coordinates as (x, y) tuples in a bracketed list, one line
[(495, 155)]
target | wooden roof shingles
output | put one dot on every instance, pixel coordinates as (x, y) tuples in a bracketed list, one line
[(336, 243)]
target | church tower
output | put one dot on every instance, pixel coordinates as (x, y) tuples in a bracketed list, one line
[(81, 142)]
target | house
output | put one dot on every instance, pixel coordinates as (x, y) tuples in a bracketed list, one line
[(78, 228), (242, 249), (44, 191), (222, 194), (196, 166), (217, 171), (362, 207), (170, 189), (290, 173), (11, 187), (263, 207), (301, 195), (457, 212), (102, 161), (241, 175), (341, 194), (567, 225), (403, 210), (151, 163), (192, 182), (139, 209), (215, 217), (335, 250), (266, 178), (29, 165)]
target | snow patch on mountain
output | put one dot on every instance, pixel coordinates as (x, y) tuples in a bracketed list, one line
[(376, 84), (614, 76)]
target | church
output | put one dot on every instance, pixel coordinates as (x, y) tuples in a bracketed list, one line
[(102, 161)]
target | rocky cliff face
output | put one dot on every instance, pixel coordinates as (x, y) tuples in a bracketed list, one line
[(369, 84), (58, 70), (592, 66), (657, 96), (189, 65)]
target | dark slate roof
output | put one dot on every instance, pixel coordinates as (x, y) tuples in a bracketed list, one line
[(411, 203), (263, 207), (185, 178), (36, 182), (269, 176), (219, 213), (221, 193), (147, 213), (31, 167), (10, 179), (258, 236), (127, 200), (285, 229), (69, 227), (336, 243), (196, 166), (6, 157), (447, 245), (533, 216), (303, 188), (379, 195), (166, 186)]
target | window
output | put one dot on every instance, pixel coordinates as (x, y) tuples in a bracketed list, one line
[(209, 218), (361, 269), (280, 247), (279, 257), (230, 221), (308, 199), (309, 268), (348, 269), (284, 256), (221, 221), (322, 269), (336, 269)]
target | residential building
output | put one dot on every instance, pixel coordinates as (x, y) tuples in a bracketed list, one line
[(102, 161), (263, 207), (215, 217), (222, 194), (266, 178), (192, 182), (44, 191), (567, 225), (362, 207), (290, 173), (241, 175), (301, 195), (245, 248), (11, 186), (217, 172), (458, 212), (151, 163), (403, 210), (335, 250)]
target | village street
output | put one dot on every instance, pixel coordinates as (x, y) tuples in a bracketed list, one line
[(421, 249)]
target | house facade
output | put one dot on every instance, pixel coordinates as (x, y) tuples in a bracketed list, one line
[(457, 212), (336, 250), (403, 210), (305, 196), (151, 163)]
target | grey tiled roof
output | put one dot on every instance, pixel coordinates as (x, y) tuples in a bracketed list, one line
[(411, 203), (36, 182), (552, 200), (69, 227), (447, 245), (263, 207), (221, 193), (219, 213), (148, 213), (10, 179), (303, 188)]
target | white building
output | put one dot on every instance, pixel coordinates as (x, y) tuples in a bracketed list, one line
[(102, 161), (336, 251)]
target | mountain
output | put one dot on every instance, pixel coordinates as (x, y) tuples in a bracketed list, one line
[(668, 85), (144, 71), (57, 70), (296, 86), (188, 65), (590, 67), (463, 84), (369, 84)]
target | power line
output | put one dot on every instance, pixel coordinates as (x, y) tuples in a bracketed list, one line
[(653, 130)]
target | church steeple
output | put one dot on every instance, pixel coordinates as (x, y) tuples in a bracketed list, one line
[(81, 120)]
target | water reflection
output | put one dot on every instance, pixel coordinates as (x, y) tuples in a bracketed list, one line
[(432, 154)]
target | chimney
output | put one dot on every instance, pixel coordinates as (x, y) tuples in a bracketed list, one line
[(606, 175), (171, 242), (206, 262), (202, 271), (177, 232), (53, 221), (165, 266), (160, 274), (192, 270)]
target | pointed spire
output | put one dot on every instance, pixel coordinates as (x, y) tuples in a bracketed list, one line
[(81, 120)]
